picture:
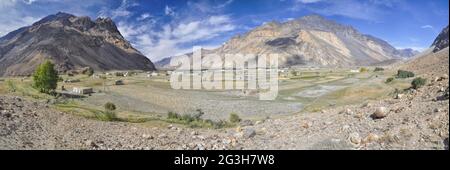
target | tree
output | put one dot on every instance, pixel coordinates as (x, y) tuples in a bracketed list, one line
[(418, 82), (110, 106), (404, 74), (45, 78)]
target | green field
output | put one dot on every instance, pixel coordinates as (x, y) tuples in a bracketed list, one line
[(143, 98)]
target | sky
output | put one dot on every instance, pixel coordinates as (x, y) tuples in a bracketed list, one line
[(164, 28)]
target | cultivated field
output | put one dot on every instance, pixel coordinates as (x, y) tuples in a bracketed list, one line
[(143, 98)]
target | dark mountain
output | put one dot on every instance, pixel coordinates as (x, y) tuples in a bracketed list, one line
[(72, 43), (441, 41)]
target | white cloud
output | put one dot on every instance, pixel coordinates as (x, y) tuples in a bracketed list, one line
[(308, 1), (175, 38), (29, 2), (220, 19), (427, 27), (169, 11), (144, 16), (371, 10), (121, 11)]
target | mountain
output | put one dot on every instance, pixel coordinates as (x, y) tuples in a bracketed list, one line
[(72, 43), (441, 41), (313, 41), (407, 52)]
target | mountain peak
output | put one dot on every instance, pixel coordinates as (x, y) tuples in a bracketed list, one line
[(313, 17), (71, 42)]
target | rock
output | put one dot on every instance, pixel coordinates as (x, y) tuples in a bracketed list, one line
[(380, 112), (371, 138), (247, 133), (147, 136), (345, 127), (238, 129), (399, 96), (258, 122), (347, 111), (194, 133), (90, 143), (437, 110), (355, 138), (246, 123), (306, 124)]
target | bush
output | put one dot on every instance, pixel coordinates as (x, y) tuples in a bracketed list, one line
[(234, 118), (107, 116), (45, 78), (88, 71), (390, 79), (404, 74), (195, 120), (363, 69), (172, 115), (11, 86), (110, 106), (378, 69), (418, 82)]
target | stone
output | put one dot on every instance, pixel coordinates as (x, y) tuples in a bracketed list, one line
[(258, 122), (147, 136), (399, 96), (371, 138), (246, 123), (380, 112), (347, 111), (355, 138), (247, 133)]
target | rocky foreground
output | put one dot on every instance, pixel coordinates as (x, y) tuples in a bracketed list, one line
[(418, 119)]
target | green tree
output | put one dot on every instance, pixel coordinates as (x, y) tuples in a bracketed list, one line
[(45, 78), (418, 82), (234, 118)]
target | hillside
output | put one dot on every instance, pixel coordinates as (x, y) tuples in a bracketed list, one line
[(71, 42), (313, 41)]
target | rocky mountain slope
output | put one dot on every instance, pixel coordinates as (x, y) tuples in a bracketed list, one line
[(441, 41), (71, 42), (313, 40)]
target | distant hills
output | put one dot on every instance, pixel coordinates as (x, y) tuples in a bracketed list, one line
[(71, 42), (311, 41)]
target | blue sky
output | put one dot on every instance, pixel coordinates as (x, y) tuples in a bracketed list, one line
[(162, 28)]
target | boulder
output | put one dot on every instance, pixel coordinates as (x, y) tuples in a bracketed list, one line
[(380, 112)]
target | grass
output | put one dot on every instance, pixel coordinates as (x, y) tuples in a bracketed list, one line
[(22, 87), (195, 121)]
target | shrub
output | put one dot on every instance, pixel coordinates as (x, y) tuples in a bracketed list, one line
[(404, 74), (390, 79), (378, 69), (363, 69), (11, 86), (45, 78), (418, 82), (195, 120), (234, 118), (199, 114), (110, 106), (88, 71), (107, 116), (172, 115)]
